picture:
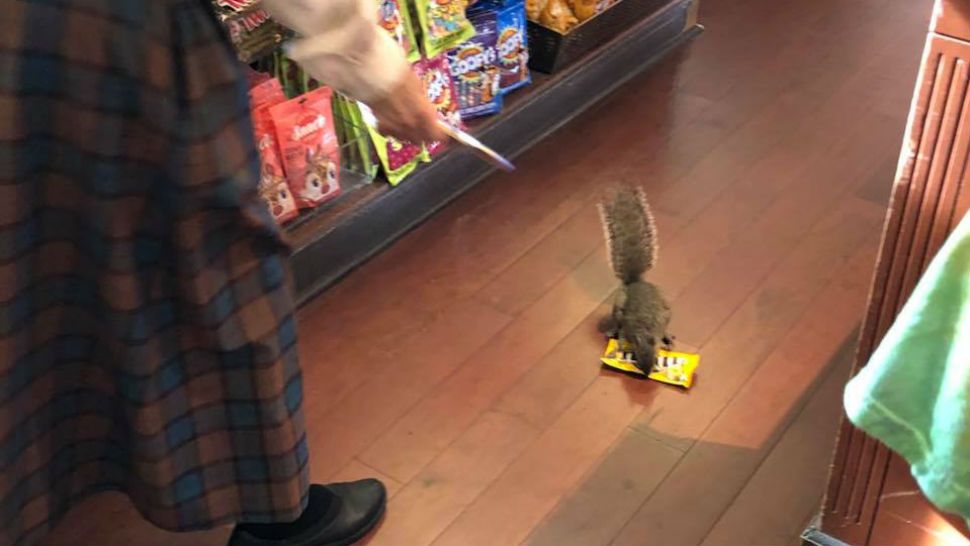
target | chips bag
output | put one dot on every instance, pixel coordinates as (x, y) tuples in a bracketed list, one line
[(272, 181), (475, 68), (399, 159), (435, 74), (443, 25), (397, 23), (558, 16), (310, 150), (513, 51)]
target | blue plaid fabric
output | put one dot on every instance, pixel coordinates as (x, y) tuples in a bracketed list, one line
[(147, 336)]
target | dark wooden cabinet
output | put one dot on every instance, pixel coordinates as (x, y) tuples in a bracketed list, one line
[(871, 498)]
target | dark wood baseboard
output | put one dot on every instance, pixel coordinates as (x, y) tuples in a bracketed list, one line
[(328, 247)]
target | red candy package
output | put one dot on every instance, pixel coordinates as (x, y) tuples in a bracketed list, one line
[(272, 182), (276, 192), (310, 150), (440, 89)]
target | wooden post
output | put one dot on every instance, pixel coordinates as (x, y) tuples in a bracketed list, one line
[(930, 194)]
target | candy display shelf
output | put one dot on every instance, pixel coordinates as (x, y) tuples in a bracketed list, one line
[(364, 221)]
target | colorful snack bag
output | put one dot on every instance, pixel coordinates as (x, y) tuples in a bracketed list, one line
[(308, 141), (443, 25), (266, 92), (399, 159), (275, 191), (474, 66), (272, 183), (397, 23), (513, 50), (440, 88), (251, 31)]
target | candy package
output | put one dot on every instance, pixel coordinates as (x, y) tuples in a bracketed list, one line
[(474, 66), (443, 25), (435, 74), (512, 45), (251, 31), (395, 19), (266, 92), (672, 368), (272, 182), (309, 146), (275, 191), (399, 159)]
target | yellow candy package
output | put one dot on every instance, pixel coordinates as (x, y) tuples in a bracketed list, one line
[(672, 368)]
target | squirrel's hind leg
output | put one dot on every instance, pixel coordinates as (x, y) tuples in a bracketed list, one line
[(609, 325)]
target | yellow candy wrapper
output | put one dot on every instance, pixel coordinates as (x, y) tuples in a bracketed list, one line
[(672, 368)]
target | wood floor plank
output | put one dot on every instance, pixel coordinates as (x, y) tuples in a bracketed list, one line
[(525, 281), (441, 417), (528, 490), (356, 470), (741, 267), (609, 495), (786, 489), (756, 328), (340, 434), (432, 500), (717, 467), (786, 137)]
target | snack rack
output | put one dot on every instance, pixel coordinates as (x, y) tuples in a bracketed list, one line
[(591, 61), (551, 50)]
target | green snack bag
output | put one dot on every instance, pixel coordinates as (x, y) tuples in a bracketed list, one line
[(357, 134), (399, 159), (443, 25)]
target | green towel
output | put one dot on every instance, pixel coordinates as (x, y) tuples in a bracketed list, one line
[(914, 395)]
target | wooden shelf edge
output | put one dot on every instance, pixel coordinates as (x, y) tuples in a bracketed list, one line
[(325, 250)]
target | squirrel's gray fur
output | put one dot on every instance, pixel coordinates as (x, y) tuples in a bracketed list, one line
[(640, 314)]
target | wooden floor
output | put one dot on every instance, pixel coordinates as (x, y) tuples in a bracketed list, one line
[(461, 364)]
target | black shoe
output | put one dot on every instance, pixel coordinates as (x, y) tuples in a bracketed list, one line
[(342, 514)]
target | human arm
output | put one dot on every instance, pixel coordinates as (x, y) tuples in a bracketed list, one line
[(342, 46)]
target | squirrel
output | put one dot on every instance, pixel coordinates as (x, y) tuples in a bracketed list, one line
[(640, 314)]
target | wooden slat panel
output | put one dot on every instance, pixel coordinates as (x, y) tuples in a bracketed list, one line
[(928, 198)]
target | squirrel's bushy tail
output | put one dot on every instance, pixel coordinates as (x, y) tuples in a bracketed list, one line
[(631, 233)]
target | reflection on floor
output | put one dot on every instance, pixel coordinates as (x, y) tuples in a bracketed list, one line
[(461, 364)]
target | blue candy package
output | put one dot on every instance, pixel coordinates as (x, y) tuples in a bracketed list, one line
[(475, 67), (512, 45)]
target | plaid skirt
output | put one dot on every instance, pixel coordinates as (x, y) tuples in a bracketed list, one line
[(147, 335)]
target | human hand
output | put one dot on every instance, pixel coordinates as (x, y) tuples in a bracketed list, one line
[(407, 114)]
